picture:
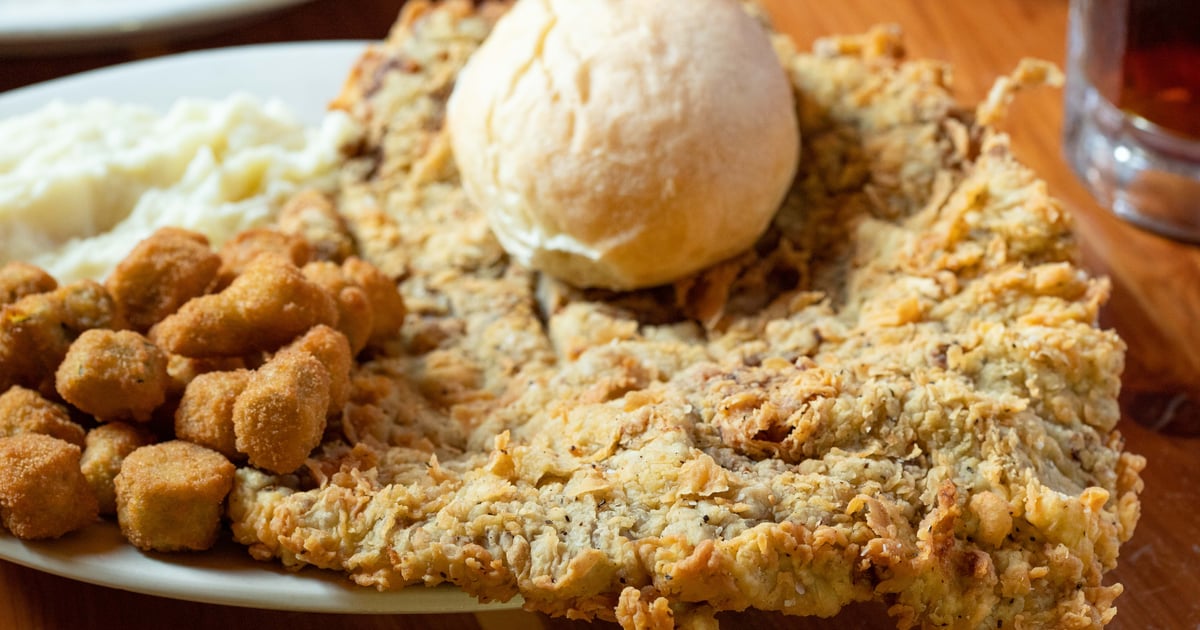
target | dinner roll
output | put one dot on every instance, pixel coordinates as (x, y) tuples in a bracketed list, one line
[(625, 143)]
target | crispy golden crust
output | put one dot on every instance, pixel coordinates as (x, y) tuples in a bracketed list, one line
[(42, 492), (26, 411), (18, 279), (262, 309), (162, 272), (37, 330), (900, 394), (387, 305), (238, 252), (183, 370), (170, 496), (280, 415), (205, 413), (331, 348), (355, 316), (113, 375), (107, 447)]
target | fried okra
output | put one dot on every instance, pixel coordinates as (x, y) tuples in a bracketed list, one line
[(238, 252), (113, 375), (37, 330), (280, 417), (83, 305), (183, 370), (333, 351), (205, 413), (355, 318), (161, 274), (107, 446), (18, 279), (26, 411), (43, 494), (170, 496), (267, 306), (387, 305)]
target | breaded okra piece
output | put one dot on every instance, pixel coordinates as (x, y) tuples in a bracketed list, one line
[(170, 496)]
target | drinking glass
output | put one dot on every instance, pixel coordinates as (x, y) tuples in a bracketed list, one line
[(1132, 125)]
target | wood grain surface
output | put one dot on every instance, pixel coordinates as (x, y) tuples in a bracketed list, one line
[(1155, 307)]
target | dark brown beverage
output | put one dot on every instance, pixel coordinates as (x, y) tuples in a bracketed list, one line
[(1160, 67), (1131, 129)]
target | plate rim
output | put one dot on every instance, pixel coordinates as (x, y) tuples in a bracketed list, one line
[(319, 590), (33, 28), (78, 555), (26, 98)]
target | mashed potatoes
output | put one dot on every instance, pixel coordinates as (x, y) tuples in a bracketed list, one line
[(81, 183)]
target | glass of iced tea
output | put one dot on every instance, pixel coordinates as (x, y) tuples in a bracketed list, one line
[(1132, 128)]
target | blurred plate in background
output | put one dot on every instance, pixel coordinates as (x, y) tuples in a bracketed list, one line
[(42, 27)]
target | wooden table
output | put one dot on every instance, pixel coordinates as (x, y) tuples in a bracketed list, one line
[(1155, 307)]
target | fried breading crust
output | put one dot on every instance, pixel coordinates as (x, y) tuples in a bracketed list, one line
[(26, 411), (356, 319), (205, 413), (901, 394), (107, 447), (18, 279), (238, 252), (42, 492), (37, 330), (280, 415), (162, 273), (183, 370), (331, 348), (113, 375), (263, 308), (387, 305), (170, 496)]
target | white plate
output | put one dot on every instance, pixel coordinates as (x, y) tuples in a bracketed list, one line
[(304, 76), (30, 27), (223, 575)]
